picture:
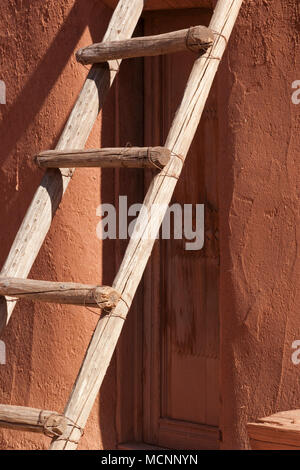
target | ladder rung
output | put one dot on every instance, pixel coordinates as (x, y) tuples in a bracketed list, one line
[(103, 297), (197, 39), (33, 419), (129, 157)]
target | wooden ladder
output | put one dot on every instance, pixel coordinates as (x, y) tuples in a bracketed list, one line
[(209, 44)]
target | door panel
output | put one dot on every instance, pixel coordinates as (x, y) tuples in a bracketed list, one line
[(181, 325)]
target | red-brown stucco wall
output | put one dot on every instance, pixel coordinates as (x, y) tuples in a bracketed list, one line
[(259, 215), (46, 343)]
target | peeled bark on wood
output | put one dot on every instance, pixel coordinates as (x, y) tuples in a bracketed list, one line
[(196, 39), (131, 157), (183, 129), (32, 419), (60, 292), (48, 196)]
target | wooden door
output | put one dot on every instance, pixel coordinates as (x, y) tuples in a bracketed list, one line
[(181, 325), (167, 357)]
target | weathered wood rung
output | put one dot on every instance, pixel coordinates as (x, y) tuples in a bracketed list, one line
[(69, 427), (53, 186), (103, 297), (32, 419), (181, 134), (197, 39), (129, 157)]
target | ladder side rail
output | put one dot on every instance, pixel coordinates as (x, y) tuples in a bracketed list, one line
[(108, 330), (48, 196)]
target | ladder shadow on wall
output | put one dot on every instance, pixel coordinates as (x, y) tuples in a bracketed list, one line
[(16, 117), (122, 125)]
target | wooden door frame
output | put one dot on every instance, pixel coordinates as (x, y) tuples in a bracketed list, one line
[(156, 428), (147, 424)]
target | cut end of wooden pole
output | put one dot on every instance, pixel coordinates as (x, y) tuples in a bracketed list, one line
[(159, 156), (106, 297), (80, 56), (123, 157), (103, 297), (24, 418), (199, 39)]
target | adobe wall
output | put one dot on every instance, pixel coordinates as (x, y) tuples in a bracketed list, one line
[(46, 343), (259, 214)]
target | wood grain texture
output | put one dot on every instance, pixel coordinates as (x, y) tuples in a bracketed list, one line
[(131, 157), (261, 445), (279, 431), (138, 446), (60, 292), (174, 433), (48, 196), (196, 39), (180, 318), (32, 419), (181, 134)]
